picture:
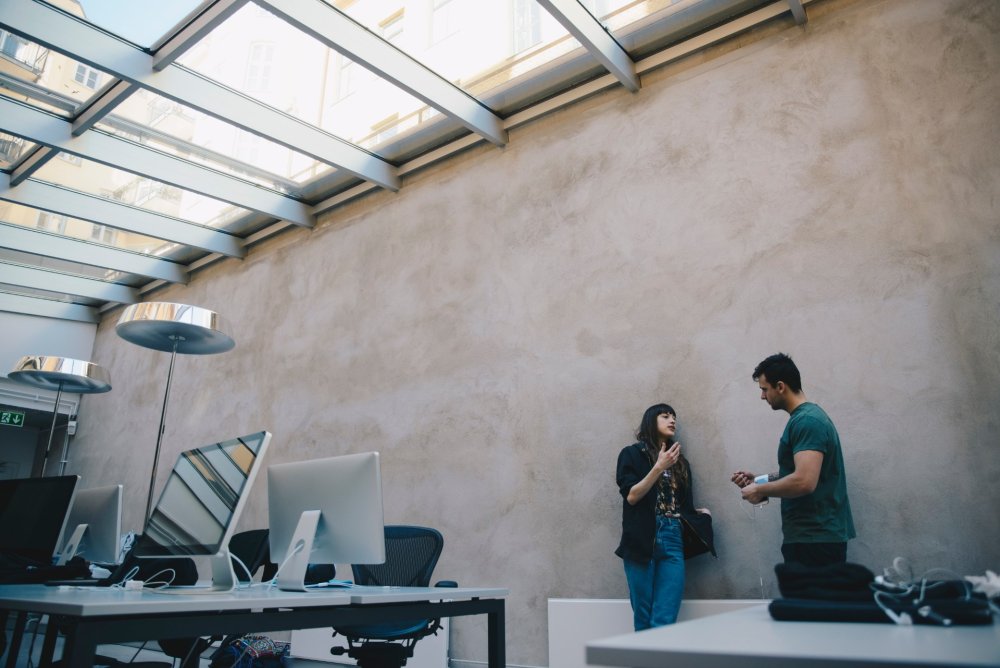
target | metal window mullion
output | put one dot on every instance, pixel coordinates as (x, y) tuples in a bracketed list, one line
[(27, 240), (48, 197), (119, 153), (341, 33), (591, 33), (48, 308), (79, 286), (205, 23), (93, 47)]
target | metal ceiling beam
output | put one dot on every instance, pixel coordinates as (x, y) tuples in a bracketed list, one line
[(798, 11), (80, 41), (31, 163), (51, 281), (102, 106), (341, 33), (48, 197), (591, 33), (47, 308), (119, 153), (205, 23), (27, 240)]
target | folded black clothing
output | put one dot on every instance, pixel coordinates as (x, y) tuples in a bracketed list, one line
[(972, 611), (16, 569), (834, 582)]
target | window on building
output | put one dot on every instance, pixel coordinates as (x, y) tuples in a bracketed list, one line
[(445, 20), (259, 66), (88, 76), (392, 27), (527, 24), (52, 222), (104, 234), (70, 158)]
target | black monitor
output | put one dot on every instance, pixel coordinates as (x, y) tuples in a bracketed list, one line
[(33, 514), (201, 503), (94, 526), (325, 511)]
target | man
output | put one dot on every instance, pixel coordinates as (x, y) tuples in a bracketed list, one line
[(815, 512)]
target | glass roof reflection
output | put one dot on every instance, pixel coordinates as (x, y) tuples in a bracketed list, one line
[(271, 61), (182, 131), (75, 228), (97, 179), (22, 291), (13, 149), (476, 44), (141, 22), (72, 268), (45, 79)]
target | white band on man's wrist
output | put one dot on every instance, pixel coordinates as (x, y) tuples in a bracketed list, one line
[(761, 479)]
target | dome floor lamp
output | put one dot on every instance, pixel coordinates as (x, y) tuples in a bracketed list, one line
[(172, 328), (61, 374)]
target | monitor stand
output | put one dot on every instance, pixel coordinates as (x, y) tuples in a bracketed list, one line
[(223, 578), (72, 545), (292, 573)]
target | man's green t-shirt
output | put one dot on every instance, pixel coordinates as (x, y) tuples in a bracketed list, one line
[(824, 516)]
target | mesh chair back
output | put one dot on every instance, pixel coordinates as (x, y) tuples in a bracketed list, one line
[(411, 553)]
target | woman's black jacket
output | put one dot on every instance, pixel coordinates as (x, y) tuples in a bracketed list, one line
[(639, 521)]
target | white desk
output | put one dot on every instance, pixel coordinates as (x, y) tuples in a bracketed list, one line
[(91, 616), (750, 639)]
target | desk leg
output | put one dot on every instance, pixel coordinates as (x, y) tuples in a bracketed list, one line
[(14, 647), (79, 648), (49, 644), (496, 635)]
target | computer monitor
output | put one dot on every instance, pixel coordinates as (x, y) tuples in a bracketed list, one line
[(201, 503), (325, 511), (94, 526), (33, 516)]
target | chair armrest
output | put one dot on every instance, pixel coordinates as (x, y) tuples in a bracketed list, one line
[(446, 583)]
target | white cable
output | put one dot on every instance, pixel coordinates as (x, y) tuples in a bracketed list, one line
[(752, 515), (245, 570), (151, 581), (298, 548), (128, 576)]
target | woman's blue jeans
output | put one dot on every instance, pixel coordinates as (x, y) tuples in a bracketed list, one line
[(655, 587)]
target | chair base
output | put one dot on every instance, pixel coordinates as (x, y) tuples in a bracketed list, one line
[(380, 654)]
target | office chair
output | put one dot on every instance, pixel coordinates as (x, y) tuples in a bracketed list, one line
[(410, 556)]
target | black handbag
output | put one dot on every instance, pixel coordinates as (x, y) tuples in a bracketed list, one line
[(697, 534)]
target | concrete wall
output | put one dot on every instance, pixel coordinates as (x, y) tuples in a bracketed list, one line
[(497, 327)]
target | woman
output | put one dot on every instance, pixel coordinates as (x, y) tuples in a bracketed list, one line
[(654, 479)]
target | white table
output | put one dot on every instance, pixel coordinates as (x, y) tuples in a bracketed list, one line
[(749, 638), (92, 616)]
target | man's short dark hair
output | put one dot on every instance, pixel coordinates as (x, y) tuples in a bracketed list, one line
[(779, 368)]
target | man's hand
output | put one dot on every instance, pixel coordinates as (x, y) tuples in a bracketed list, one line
[(751, 493), (742, 478)]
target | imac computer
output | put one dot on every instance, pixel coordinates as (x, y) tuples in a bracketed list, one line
[(94, 526), (325, 511), (201, 503), (33, 516)]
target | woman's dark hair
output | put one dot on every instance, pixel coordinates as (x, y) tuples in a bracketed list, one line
[(649, 434)]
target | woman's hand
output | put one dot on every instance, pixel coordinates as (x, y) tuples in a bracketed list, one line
[(668, 457)]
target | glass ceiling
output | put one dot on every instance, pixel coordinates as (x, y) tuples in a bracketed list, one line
[(142, 140)]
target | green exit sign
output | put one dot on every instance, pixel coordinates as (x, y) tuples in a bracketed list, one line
[(12, 418)]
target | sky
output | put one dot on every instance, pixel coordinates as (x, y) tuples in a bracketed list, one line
[(139, 21)]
